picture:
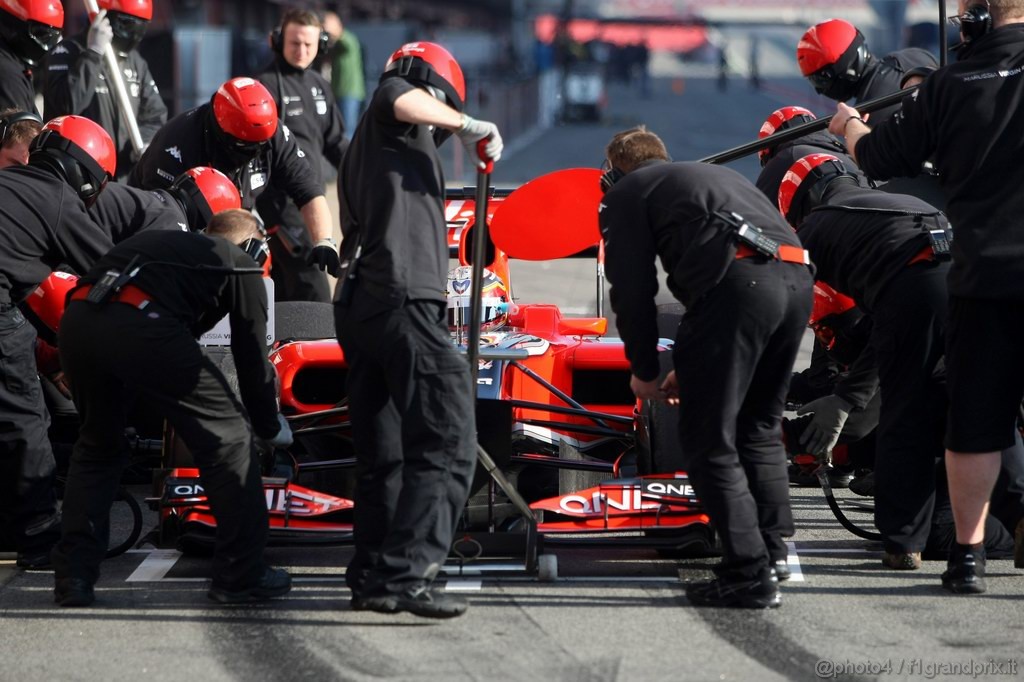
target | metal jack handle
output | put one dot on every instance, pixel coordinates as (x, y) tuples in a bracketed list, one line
[(483, 182)]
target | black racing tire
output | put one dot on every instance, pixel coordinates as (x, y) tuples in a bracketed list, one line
[(124, 497)]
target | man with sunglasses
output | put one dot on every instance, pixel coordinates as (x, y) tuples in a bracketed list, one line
[(968, 116), (28, 30), (77, 81), (238, 133), (151, 297)]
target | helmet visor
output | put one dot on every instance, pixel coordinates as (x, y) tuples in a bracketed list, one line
[(128, 31)]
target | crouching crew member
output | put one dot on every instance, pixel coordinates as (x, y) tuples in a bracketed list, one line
[(742, 275), (43, 223), (238, 133), (888, 252), (151, 297), (187, 205), (412, 400)]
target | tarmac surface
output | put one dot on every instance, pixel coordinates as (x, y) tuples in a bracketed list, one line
[(613, 613)]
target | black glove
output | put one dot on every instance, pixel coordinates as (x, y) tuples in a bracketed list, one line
[(325, 256)]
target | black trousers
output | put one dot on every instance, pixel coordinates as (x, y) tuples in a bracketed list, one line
[(412, 411), (909, 340), (28, 504), (105, 352), (734, 356), (295, 278)]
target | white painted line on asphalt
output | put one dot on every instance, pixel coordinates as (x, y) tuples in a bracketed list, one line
[(852, 550), (155, 566), (797, 574), (463, 585)]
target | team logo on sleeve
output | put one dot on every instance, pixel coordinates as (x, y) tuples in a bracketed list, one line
[(175, 152)]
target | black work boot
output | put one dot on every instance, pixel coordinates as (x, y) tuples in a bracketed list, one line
[(275, 582), (418, 600), (761, 592), (965, 570), (73, 592)]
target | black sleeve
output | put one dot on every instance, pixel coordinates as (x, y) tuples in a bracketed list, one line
[(899, 146), (152, 112), (16, 90), (248, 320), (81, 241), (161, 163), (630, 255), (859, 385), (335, 141), (72, 77), (292, 170)]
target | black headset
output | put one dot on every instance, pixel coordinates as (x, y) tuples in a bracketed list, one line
[(975, 22), (17, 117), (277, 40), (610, 176)]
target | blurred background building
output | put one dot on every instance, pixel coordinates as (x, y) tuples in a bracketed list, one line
[(530, 64)]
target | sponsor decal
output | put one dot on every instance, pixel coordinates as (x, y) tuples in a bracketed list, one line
[(175, 152), (165, 175), (257, 180), (321, 107), (628, 498)]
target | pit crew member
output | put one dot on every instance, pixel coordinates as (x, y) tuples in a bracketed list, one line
[(167, 288), (889, 252), (44, 223), (743, 277), (412, 400), (238, 133), (963, 116), (28, 30), (306, 105), (77, 81), (17, 130)]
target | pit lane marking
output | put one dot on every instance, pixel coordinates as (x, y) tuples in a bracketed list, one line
[(797, 574), (155, 566)]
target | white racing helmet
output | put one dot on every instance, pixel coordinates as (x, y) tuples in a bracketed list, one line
[(494, 301)]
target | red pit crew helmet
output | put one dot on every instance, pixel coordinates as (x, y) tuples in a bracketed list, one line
[(128, 20), (429, 64), (204, 192), (805, 182), (31, 27), (80, 151), (48, 301), (245, 110), (781, 119), (832, 56)]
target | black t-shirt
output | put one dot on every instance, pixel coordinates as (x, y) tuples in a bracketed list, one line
[(16, 89), (171, 271), (123, 211), (863, 237), (43, 224), (968, 117), (672, 211), (182, 143), (392, 201)]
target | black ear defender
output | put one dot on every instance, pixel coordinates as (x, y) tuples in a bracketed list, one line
[(17, 117), (975, 22), (610, 176), (277, 40)]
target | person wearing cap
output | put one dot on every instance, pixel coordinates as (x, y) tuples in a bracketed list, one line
[(171, 286), (238, 133), (743, 277), (77, 80), (306, 106), (44, 222), (411, 396), (28, 31)]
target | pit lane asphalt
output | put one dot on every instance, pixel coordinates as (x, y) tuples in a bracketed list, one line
[(613, 614)]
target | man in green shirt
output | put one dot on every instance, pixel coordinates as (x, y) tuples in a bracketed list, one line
[(347, 79)]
